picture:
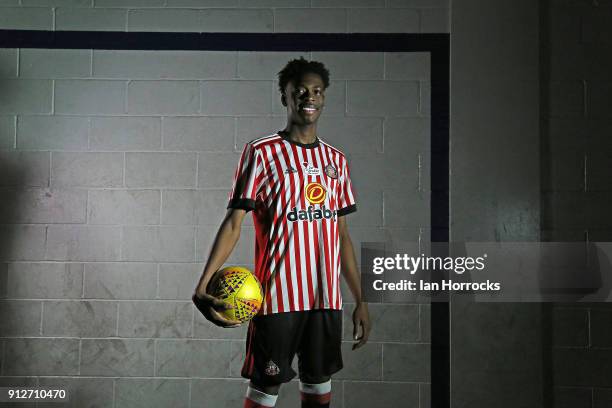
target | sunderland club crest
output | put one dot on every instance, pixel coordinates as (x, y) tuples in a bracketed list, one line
[(272, 368), (331, 171)]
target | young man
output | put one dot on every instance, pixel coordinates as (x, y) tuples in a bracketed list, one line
[(299, 190)]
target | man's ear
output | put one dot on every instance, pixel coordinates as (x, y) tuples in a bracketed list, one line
[(283, 99)]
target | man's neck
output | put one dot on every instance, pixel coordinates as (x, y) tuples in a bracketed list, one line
[(305, 135)]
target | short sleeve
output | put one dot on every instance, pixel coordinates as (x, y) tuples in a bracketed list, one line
[(247, 180), (346, 197)]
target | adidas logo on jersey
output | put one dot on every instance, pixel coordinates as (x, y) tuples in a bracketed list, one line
[(310, 214)]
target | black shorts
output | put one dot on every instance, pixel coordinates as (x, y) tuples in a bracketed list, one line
[(273, 340)]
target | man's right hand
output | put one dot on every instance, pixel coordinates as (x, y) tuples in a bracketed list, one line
[(210, 307)]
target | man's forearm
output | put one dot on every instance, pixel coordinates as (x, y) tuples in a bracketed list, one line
[(349, 267), (225, 241)]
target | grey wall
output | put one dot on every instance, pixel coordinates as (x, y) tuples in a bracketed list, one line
[(115, 168), (496, 349), (576, 189)]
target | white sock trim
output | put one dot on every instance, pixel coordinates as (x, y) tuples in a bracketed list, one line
[(261, 397), (318, 389)]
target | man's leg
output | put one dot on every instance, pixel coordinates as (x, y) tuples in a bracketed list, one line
[(258, 396), (320, 356), (315, 392), (270, 347)]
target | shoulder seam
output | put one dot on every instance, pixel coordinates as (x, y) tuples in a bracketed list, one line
[(332, 147), (264, 140)]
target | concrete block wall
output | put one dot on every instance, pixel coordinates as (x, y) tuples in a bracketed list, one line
[(317, 16), (576, 192), (496, 348), (115, 169)]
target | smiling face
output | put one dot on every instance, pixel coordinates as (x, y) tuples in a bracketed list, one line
[(304, 99)]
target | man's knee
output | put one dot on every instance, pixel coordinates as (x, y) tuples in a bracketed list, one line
[(268, 389)]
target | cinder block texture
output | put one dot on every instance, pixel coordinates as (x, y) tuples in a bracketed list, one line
[(20, 318), (193, 358), (214, 171), (198, 133), (83, 19), (310, 20), (35, 18), (24, 169), (178, 281), (407, 362), (353, 65), (120, 280), (364, 363), (123, 207), (155, 319), (263, 64), (218, 393), (7, 132), (45, 280), (163, 97), (383, 20), (117, 357), (22, 242), (8, 63), (3, 279), (163, 20), (44, 206), (377, 394), (38, 356), (79, 319), (395, 323), (129, 3), (407, 65), (160, 169), (163, 65), (42, 63), (25, 96), (55, 3), (158, 244), (82, 243), (250, 21), (144, 393), (52, 133), (382, 98), (75, 97), (125, 133), (570, 327), (236, 97), (199, 207)]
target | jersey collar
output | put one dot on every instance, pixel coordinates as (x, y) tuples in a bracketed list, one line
[(304, 145)]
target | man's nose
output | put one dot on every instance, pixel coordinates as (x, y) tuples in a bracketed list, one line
[(309, 96)]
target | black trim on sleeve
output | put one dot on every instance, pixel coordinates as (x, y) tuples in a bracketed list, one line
[(347, 210), (242, 204)]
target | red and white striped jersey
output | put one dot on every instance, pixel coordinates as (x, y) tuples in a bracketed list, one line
[(297, 192)]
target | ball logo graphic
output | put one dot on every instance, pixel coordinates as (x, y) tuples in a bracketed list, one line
[(315, 193)]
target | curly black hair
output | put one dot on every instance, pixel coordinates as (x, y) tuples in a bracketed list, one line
[(296, 68)]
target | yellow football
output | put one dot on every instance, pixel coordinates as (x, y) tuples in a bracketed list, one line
[(241, 289)]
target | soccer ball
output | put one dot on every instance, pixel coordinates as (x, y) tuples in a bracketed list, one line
[(241, 289)]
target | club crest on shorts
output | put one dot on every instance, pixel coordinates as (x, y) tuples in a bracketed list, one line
[(331, 171), (272, 368)]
